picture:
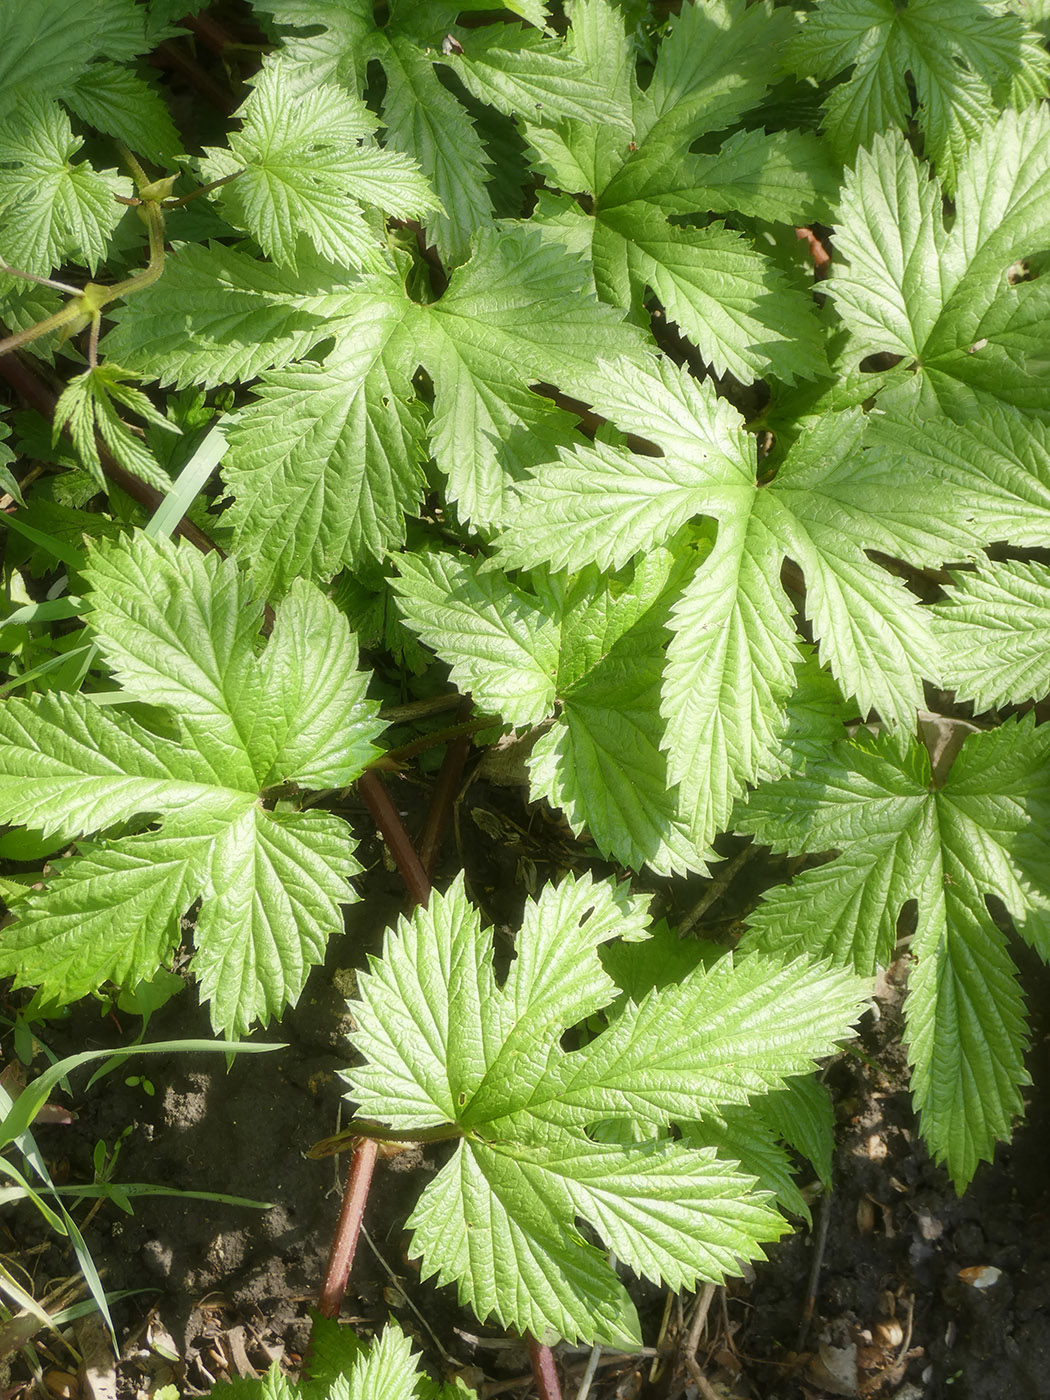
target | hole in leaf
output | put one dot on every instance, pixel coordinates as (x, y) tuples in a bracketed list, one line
[(880, 362)]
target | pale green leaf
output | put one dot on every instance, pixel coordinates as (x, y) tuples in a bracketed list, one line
[(996, 470), (785, 176), (87, 407), (753, 1023), (966, 1032), (893, 239), (600, 505), (665, 405), (470, 1032), (598, 40), (501, 645), (597, 649), (939, 295), (119, 103), (964, 59), (299, 161), (716, 62), (314, 714), (734, 304), (576, 157), (499, 1220), (46, 45), (839, 503), (730, 670), (601, 762), (50, 209), (388, 1371), (219, 315), (275, 886), (112, 914), (947, 846), (337, 43), (69, 768), (180, 629), (520, 72), (182, 633), (603, 504), (518, 314), (424, 120), (326, 462), (744, 1135), (448, 1040), (485, 1221), (993, 628), (837, 496)]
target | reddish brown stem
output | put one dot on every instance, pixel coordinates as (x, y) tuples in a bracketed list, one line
[(359, 1176), (445, 789), (548, 1387), (395, 836), (39, 395), (431, 741), (170, 56), (210, 34), (219, 37), (344, 1242)]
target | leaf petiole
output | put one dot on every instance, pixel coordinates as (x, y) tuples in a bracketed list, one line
[(364, 1129)]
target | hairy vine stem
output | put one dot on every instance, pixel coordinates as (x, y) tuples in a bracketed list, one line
[(85, 308)]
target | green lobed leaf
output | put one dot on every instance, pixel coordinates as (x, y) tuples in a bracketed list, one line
[(831, 503), (71, 768), (427, 122), (993, 628), (841, 492), (939, 296), (453, 1047), (978, 831), (782, 176), (730, 670), (112, 915), (715, 63), (50, 209), (326, 463), (517, 314), (501, 645), (275, 884), (46, 45), (219, 315), (592, 652), (521, 72), (181, 631), (965, 59), (307, 497), (603, 504), (344, 1367), (88, 407), (303, 171), (731, 301), (601, 761), (119, 102)]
